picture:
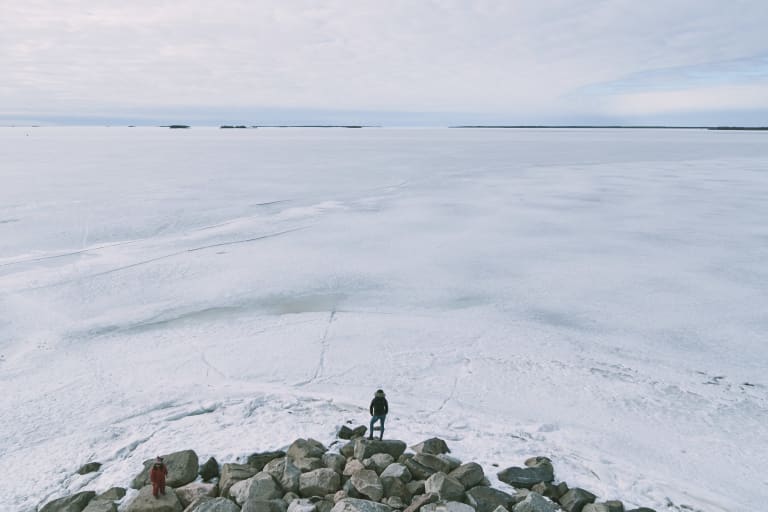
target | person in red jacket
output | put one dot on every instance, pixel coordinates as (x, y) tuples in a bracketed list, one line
[(157, 476)]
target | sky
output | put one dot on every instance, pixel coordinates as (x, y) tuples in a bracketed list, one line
[(400, 62)]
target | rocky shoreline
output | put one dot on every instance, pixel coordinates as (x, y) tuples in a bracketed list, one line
[(363, 475)]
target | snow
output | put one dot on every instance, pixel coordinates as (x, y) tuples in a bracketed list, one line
[(595, 296)]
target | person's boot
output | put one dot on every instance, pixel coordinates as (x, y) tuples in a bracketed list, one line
[(370, 436)]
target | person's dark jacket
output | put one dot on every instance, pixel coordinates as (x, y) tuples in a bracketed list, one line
[(379, 406)]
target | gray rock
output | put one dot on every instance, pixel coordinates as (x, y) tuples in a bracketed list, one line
[(289, 479), (182, 469), (415, 487), (348, 433), (395, 487), (325, 505), (453, 506), (417, 470), (350, 490), (397, 470), (340, 495), (91, 467), (233, 473), (145, 502), (290, 496), (352, 467), (97, 505), (260, 487), (276, 505), (420, 501), (302, 505), (535, 502), (486, 499), (469, 474), (526, 477), (209, 470), (75, 503), (381, 461), (190, 492), (641, 509), (452, 462), (433, 462), (368, 484), (308, 464), (259, 460), (394, 502), (112, 494), (334, 461), (614, 506), (275, 467), (212, 505), (433, 446), (319, 482), (306, 449), (355, 505), (575, 499), (500, 509), (447, 488), (365, 448), (548, 490), (348, 450)]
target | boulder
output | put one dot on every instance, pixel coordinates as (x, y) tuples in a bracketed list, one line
[(415, 487), (182, 469), (350, 490), (368, 484), (452, 462), (365, 448), (75, 503), (352, 467), (259, 460), (212, 505), (641, 509), (419, 501), (190, 492), (91, 467), (395, 487), (469, 474), (351, 433), (334, 461), (433, 446), (319, 482), (381, 461), (260, 487), (348, 450), (355, 505), (302, 505), (233, 473), (535, 502), (306, 449), (394, 502), (397, 470), (209, 470), (486, 499), (340, 495), (548, 490), (575, 499), (276, 505), (452, 506), (111, 494), (447, 488), (325, 505), (424, 465), (285, 473), (612, 505), (526, 477), (145, 502), (101, 506), (308, 464), (290, 496)]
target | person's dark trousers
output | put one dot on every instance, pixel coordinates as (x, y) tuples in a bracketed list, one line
[(374, 419)]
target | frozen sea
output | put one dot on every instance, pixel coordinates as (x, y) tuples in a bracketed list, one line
[(596, 296)]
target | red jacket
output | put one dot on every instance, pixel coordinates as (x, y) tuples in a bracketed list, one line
[(158, 473)]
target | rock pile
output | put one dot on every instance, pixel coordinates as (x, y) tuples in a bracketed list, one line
[(366, 476)]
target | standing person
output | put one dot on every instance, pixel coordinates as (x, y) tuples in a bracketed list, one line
[(157, 476), (378, 409)]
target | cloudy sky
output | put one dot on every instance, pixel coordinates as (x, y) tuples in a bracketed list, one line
[(430, 62)]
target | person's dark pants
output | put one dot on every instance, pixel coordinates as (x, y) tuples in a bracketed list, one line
[(381, 419), (158, 488)]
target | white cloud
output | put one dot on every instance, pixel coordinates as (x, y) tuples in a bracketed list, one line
[(484, 56)]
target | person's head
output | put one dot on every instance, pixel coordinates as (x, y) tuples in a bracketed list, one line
[(380, 393), (158, 461)]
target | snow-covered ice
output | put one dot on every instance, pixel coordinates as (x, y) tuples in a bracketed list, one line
[(596, 296)]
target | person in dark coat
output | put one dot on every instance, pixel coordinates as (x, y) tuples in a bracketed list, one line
[(157, 476), (378, 409)]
